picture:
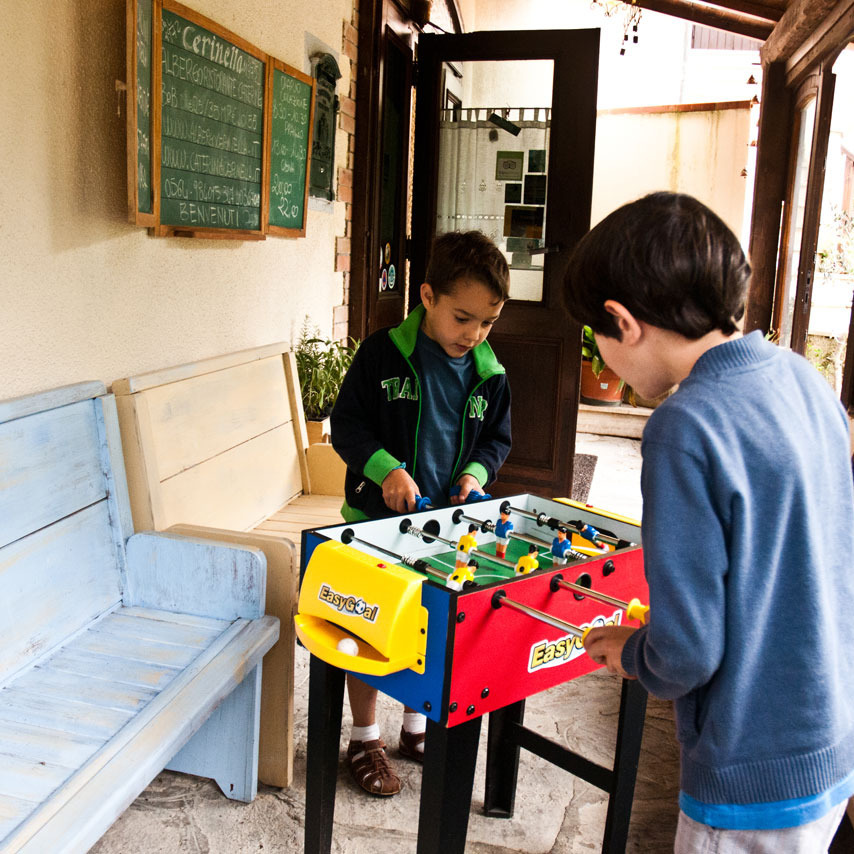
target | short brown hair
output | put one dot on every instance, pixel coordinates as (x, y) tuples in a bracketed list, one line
[(467, 253)]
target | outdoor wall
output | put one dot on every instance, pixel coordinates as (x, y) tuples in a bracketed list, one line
[(698, 152), (84, 294)]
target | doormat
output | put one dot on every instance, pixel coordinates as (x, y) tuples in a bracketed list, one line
[(582, 476)]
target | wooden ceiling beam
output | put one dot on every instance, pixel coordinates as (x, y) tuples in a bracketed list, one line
[(799, 25), (708, 16), (757, 10)]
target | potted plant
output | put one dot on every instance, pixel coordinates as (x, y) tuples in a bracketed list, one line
[(321, 365), (600, 386)]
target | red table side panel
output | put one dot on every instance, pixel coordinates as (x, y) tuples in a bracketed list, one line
[(501, 656)]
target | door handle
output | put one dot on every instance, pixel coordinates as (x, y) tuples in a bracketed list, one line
[(546, 250)]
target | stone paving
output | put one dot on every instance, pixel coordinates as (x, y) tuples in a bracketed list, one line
[(555, 812)]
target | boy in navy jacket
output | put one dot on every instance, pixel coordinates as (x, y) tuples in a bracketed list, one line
[(424, 410)]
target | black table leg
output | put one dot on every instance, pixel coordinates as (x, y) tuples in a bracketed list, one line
[(502, 761), (626, 755), (450, 755), (325, 702)]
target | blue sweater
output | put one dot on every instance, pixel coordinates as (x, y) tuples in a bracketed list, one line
[(748, 536)]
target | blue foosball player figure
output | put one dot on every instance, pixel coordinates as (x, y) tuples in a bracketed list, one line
[(503, 527), (561, 544)]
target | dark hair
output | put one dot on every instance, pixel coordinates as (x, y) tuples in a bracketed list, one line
[(669, 259), (467, 253)]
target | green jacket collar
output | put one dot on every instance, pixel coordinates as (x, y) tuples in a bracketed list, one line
[(405, 336)]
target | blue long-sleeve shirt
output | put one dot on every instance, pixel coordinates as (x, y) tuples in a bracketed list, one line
[(748, 533)]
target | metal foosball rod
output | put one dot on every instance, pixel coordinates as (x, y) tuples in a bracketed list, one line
[(634, 609), (428, 535), (586, 531), (488, 526), (347, 537), (500, 600)]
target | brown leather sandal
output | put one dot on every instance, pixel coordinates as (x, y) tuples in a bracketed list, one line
[(371, 769), (409, 743)]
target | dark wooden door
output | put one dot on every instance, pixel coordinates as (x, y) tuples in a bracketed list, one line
[(536, 337)]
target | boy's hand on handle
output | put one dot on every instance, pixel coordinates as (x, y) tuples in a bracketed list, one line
[(466, 483), (399, 491), (604, 644)]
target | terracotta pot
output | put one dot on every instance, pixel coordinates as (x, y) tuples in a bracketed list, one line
[(604, 390)]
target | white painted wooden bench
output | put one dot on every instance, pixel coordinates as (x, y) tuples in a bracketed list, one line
[(120, 653), (218, 448)]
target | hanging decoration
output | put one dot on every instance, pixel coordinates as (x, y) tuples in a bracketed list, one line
[(631, 18)]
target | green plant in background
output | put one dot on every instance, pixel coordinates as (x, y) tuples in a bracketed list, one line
[(321, 365), (835, 253), (590, 350)]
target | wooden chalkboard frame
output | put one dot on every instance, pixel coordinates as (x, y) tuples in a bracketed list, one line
[(135, 215), (164, 230), (273, 66), (152, 219)]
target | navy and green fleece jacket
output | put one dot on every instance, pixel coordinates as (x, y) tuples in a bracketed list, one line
[(376, 417)]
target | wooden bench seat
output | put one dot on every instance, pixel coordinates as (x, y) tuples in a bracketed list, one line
[(218, 448), (120, 653)]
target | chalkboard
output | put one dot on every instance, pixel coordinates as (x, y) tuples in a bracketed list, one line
[(211, 151), (290, 119)]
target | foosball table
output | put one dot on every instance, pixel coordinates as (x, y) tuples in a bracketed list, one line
[(458, 612)]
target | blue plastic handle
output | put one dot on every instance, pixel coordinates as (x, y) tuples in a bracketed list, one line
[(424, 503), (473, 496)]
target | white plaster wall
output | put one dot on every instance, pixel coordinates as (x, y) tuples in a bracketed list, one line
[(700, 153), (85, 295)]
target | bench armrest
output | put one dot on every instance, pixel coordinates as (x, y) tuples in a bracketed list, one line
[(195, 576)]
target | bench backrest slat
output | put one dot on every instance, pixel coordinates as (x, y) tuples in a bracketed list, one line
[(53, 583), (51, 467), (61, 530), (214, 443)]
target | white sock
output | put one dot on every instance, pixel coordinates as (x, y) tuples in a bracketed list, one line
[(414, 722), (365, 733)]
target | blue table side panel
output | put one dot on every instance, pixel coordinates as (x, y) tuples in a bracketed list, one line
[(415, 689)]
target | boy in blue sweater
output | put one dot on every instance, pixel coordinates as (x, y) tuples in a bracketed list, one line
[(424, 409), (748, 533)]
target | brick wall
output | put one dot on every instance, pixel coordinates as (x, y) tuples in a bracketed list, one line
[(344, 189)]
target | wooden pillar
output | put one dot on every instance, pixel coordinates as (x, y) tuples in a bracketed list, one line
[(772, 154)]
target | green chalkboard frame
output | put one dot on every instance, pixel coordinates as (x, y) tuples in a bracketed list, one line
[(274, 196), (140, 137)]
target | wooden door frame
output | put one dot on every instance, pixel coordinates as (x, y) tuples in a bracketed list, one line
[(825, 84), (375, 16)]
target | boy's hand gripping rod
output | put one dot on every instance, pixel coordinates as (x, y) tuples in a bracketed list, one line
[(426, 503), (586, 531), (634, 609)]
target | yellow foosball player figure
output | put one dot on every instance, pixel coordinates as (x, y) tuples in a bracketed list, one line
[(464, 546), (527, 563), (462, 575)]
